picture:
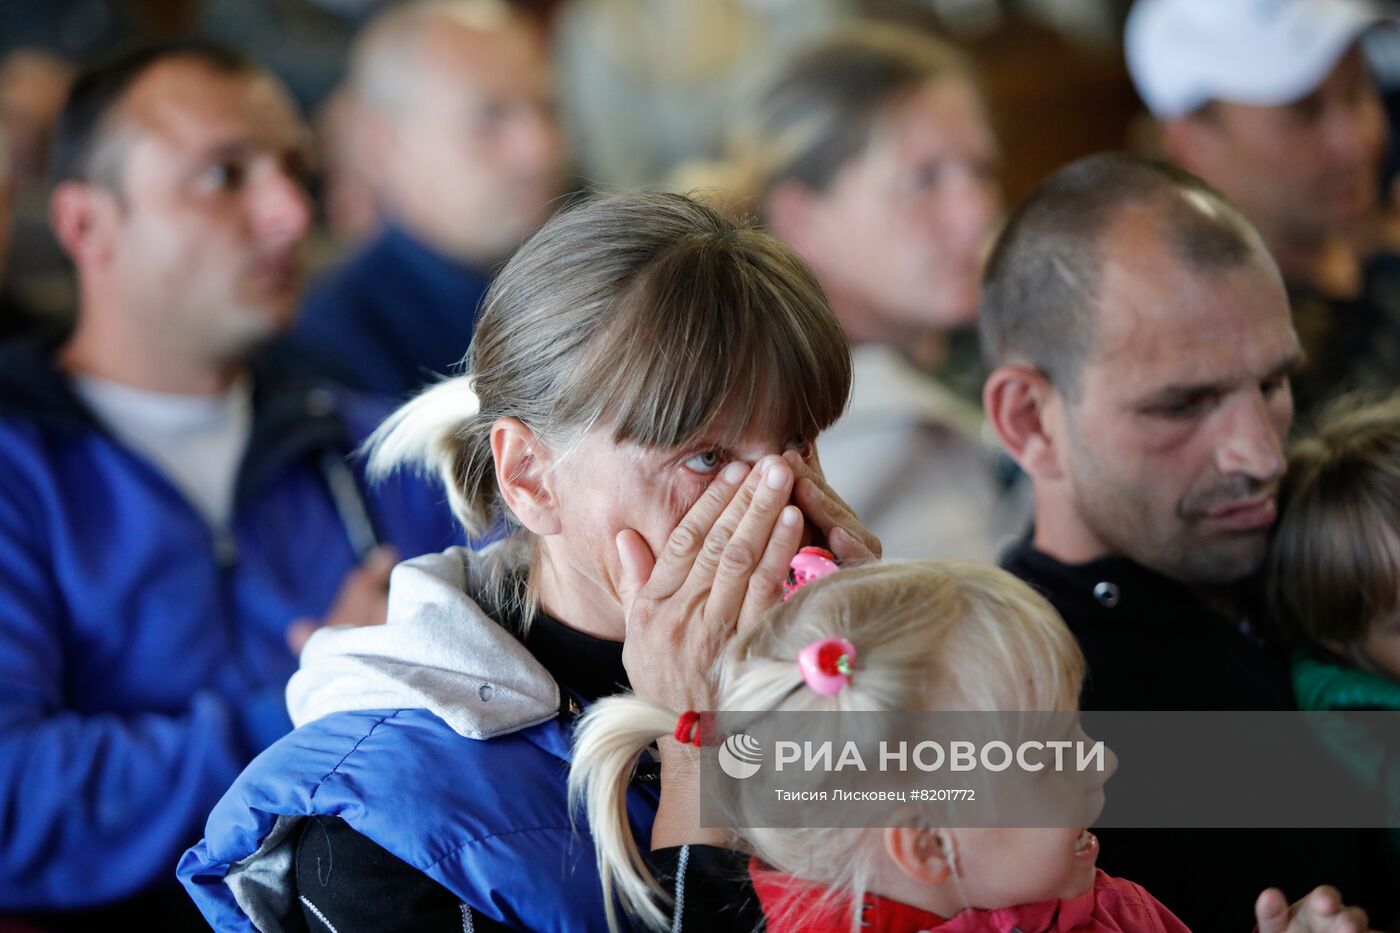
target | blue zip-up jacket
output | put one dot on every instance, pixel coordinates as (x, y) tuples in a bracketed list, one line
[(389, 318), (439, 737), (143, 654)]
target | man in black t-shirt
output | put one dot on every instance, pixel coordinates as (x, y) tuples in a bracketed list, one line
[(1141, 342)]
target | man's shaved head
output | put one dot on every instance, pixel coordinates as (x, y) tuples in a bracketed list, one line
[(454, 109), (1042, 281), (391, 49)]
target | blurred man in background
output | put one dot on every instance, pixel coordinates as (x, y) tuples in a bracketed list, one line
[(1273, 104), (457, 136), (171, 519)]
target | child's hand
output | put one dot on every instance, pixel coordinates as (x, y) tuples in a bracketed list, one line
[(1322, 911)]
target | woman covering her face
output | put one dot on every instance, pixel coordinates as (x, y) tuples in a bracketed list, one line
[(636, 431)]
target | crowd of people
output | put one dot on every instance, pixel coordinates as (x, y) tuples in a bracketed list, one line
[(397, 597)]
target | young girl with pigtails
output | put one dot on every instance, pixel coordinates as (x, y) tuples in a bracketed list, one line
[(885, 637)]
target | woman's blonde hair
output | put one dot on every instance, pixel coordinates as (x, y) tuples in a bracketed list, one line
[(820, 111), (930, 635), (647, 314)]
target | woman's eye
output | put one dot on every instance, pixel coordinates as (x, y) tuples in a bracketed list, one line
[(707, 462)]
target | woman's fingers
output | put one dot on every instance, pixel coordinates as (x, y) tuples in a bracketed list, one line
[(812, 466), (1271, 911), (637, 564), (1322, 911), (766, 583), (847, 536), (850, 541), (687, 541), (749, 543), (707, 561)]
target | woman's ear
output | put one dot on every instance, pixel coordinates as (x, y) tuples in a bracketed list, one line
[(522, 471), (1017, 400), (927, 856)]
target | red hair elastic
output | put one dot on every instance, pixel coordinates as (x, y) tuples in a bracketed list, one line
[(689, 728)]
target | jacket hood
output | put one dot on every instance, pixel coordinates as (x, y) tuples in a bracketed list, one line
[(438, 650)]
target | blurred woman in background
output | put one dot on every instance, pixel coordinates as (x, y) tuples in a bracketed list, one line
[(872, 154)]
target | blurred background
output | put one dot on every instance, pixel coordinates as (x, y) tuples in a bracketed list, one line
[(887, 155), (643, 86)]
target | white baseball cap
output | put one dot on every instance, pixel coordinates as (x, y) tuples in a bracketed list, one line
[(1185, 53)]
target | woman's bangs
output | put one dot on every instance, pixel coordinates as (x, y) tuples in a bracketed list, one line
[(739, 344)]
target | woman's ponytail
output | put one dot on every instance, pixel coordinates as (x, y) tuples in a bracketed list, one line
[(433, 433)]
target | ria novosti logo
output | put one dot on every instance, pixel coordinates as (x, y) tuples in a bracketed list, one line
[(740, 756)]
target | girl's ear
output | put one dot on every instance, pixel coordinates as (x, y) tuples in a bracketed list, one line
[(522, 470), (927, 856)]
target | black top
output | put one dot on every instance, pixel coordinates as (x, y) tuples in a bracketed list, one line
[(371, 889), (1153, 644), (587, 667), (710, 888)]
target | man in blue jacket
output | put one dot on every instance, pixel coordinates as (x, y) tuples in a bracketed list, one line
[(457, 135), (172, 519)]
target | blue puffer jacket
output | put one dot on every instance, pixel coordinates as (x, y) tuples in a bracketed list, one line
[(439, 737), (143, 655)]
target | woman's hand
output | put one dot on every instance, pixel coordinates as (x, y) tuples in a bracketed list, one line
[(720, 570), (722, 567), (847, 537)]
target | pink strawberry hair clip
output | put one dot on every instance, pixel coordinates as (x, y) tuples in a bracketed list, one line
[(826, 665), (810, 563)]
